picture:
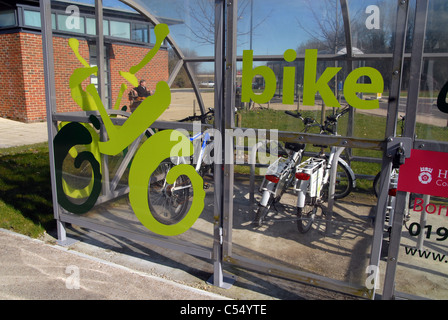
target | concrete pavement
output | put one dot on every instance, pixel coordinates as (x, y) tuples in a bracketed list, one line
[(35, 269), (15, 133)]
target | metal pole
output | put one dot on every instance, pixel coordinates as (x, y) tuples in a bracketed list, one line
[(100, 48), (50, 96), (423, 219), (421, 14), (331, 189), (394, 96), (349, 61), (229, 123), (101, 86), (218, 275)]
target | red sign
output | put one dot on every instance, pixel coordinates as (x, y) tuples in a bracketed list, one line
[(425, 172)]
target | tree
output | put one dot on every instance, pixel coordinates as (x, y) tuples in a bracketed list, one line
[(182, 80), (202, 20), (327, 31)]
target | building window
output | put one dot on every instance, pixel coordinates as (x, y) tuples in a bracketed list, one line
[(91, 28), (94, 79), (70, 24), (31, 18), (140, 32), (7, 18), (53, 21), (120, 29)]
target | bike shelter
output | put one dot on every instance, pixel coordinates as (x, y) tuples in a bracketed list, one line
[(348, 249)]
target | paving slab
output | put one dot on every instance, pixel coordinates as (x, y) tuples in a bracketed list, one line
[(32, 269), (16, 133)]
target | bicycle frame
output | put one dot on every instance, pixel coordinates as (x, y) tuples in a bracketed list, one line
[(314, 173), (310, 179), (276, 176)]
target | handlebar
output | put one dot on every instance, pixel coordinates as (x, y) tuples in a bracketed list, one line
[(200, 117), (329, 124), (306, 121), (335, 117), (295, 115)]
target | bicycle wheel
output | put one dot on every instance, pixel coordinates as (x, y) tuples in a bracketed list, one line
[(262, 212), (306, 217), (344, 181), (168, 202)]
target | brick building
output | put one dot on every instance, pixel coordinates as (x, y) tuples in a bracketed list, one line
[(128, 37)]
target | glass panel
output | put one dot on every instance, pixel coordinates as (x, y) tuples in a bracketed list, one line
[(372, 25), (436, 39), (140, 32), (310, 24), (70, 23), (32, 18), (422, 259), (91, 28), (432, 121), (191, 23), (120, 29), (305, 36), (7, 18), (115, 174)]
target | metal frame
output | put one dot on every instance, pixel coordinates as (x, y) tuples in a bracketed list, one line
[(225, 61), (400, 39), (421, 14)]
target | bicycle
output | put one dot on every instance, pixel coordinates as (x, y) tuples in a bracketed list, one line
[(313, 177), (169, 202), (278, 178), (280, 174)]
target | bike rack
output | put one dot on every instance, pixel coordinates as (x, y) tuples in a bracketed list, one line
[(331, 188)]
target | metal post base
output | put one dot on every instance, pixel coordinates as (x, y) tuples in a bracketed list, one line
[(63, 240), (66, 242), (226, 282)]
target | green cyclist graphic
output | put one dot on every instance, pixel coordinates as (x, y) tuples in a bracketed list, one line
[(145, 161)]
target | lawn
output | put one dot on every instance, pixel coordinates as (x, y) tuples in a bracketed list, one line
[(25, 187)]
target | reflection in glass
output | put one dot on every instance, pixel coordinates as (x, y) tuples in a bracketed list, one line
[(7, 18), (120, 29), (140, 32), (372, 25), (32, 18), (436, 39)]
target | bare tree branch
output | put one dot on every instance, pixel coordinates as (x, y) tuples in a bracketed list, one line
[(202, 26)]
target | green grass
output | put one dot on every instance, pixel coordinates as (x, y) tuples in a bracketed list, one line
[(25, 190)]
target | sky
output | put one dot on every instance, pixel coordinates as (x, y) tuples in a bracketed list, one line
[(279, 25)]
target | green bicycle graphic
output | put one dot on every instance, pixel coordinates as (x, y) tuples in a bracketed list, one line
[(148, 157)]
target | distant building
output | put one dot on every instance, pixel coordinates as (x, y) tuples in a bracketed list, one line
[(128, 37)]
